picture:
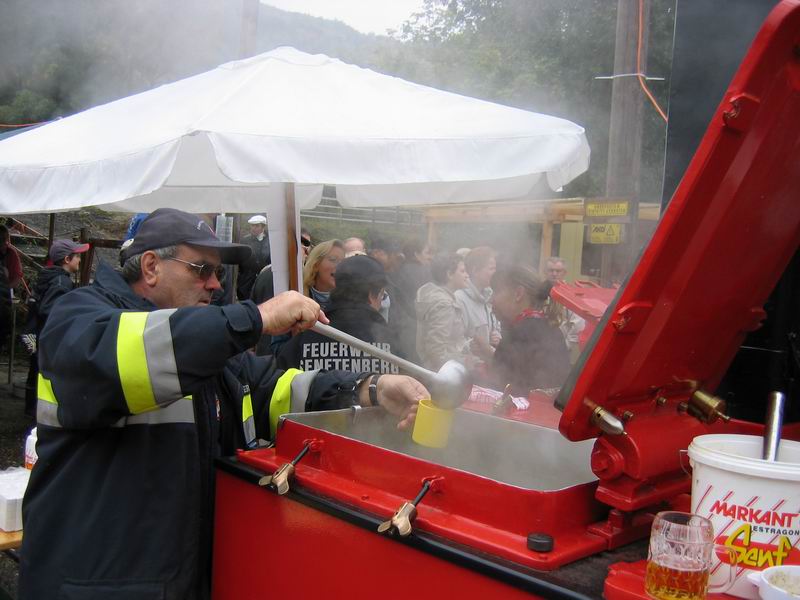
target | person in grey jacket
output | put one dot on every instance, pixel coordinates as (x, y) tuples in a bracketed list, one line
[(482, 327), (441, 331)]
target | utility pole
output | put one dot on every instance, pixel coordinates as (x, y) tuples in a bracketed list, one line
[(625, 136)]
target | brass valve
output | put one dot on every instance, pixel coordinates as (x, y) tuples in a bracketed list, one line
[(706, 407)]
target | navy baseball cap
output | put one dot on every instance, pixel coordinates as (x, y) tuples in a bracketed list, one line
[(169, 227), (360, 268)]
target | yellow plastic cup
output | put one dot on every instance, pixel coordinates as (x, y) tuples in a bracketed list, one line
[(432, 425)]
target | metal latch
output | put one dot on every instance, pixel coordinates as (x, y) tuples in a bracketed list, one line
[(400, 522), (279, 480)]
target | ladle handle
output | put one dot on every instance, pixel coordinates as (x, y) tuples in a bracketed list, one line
[(340, 336), (772, 427)]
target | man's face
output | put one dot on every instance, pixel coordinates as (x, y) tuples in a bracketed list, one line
[(483, 276), (351, 246), (425, 256), (179, 285), (555, 271), (458, 279), (73, 263), (257, 229)]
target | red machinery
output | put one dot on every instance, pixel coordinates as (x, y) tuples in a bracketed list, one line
[(512, 508)]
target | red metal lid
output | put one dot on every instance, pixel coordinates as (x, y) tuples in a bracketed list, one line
[(721, 246)]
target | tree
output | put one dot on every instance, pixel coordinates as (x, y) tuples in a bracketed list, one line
[(540, 55)]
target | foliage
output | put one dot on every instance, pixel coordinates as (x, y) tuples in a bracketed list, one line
[(62, 56), (540, 55)]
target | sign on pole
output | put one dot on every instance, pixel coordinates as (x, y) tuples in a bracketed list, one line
[(605, 233)]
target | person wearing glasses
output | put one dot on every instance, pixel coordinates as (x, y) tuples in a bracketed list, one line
[(142, 384)]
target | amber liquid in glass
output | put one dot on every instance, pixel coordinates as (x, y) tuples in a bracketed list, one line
[(676, 578)]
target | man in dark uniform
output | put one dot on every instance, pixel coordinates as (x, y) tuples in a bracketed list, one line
[(142, 383), (55, 280), (259, 258)]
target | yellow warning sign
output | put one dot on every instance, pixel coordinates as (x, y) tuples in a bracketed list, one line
[(605, 233), (607, 209)]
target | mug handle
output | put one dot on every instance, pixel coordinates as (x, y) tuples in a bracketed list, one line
[(723, 587)]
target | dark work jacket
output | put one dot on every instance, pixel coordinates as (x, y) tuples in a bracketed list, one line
[(52, 283), (310, 350), (531, 355), (134, 404), (250, 269)]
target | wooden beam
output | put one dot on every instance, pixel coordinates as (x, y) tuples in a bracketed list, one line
[(546, 244)]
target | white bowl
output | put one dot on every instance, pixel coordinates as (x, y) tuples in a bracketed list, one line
[(768, 591)]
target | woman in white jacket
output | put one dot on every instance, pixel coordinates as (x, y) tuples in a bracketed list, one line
[(482, 327)]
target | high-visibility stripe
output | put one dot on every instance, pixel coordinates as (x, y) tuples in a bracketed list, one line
[(47, 406), (132, 363), (181, 411), (146, 362), (44, 390), (281, 401), (248, 421), (161, 357)]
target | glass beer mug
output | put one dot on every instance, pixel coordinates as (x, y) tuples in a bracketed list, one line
[(680, 557)]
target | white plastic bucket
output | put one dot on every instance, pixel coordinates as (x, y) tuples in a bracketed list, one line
[(753, 504)]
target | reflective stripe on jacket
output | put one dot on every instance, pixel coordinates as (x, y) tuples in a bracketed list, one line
[(134, 404)]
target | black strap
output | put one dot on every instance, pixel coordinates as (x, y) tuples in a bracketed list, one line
[(373, 389)]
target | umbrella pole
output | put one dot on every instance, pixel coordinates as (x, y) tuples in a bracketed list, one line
[(292, 218)]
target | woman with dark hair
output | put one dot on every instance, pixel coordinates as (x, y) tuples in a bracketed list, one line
[(440, 320), (532, 353), (355, 301)]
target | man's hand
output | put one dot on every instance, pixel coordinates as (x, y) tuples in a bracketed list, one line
[(289, 311), (398, 394)]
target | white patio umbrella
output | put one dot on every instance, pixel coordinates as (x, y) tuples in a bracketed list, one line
[(228, 140)]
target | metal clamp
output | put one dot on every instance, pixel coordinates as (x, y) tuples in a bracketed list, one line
[(279, 480), (504, 402), (400, 522)]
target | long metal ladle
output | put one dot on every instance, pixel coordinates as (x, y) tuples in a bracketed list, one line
[(772, 426), (449, 387)]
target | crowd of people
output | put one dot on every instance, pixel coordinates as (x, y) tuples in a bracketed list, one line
[(491, 314), (147, 374)]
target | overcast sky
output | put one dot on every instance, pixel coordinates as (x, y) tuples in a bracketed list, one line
[(367, 16)]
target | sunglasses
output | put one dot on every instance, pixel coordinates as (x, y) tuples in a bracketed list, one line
[(203, 271)]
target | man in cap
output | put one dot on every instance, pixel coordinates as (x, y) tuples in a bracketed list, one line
[(258, 241), (55, 280), (142, 384), (355, 302)]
